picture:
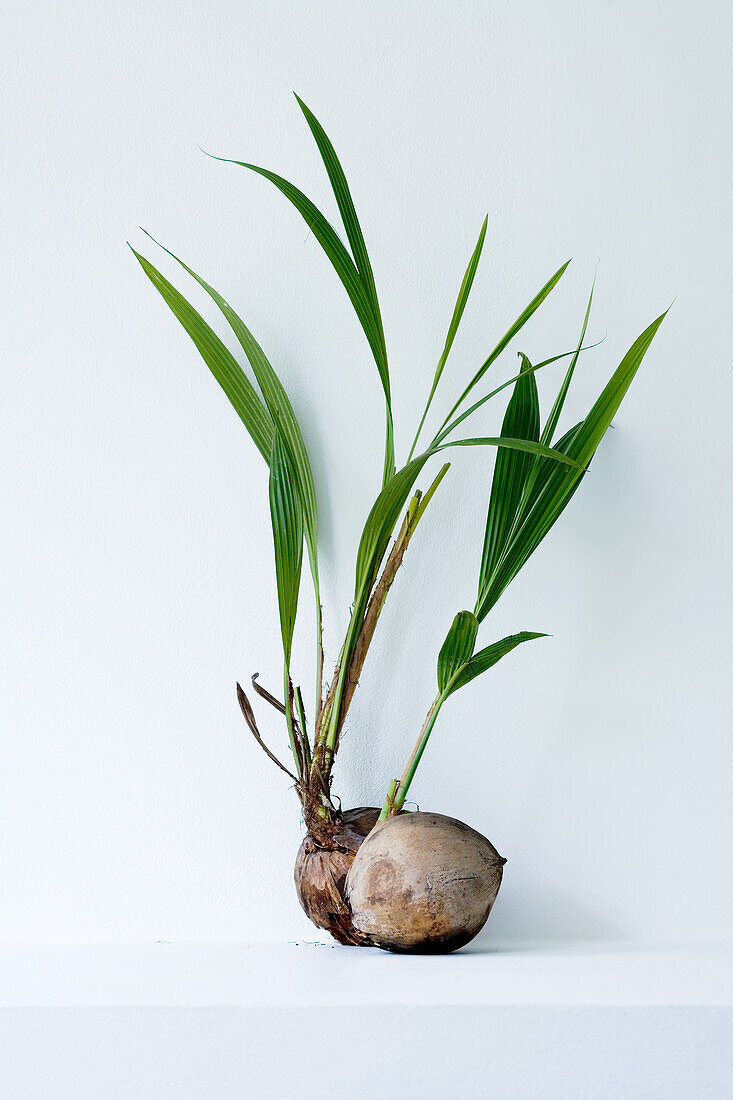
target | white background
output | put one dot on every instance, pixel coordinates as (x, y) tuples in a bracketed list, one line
[(137, 561)]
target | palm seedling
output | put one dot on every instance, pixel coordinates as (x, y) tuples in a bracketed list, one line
[(419, 881)]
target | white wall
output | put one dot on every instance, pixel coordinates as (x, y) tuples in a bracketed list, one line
[(137, 568)]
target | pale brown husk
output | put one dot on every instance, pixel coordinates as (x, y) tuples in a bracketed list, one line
[(322, 864), (422, 882)]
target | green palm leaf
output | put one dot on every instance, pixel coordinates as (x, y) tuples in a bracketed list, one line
[(460, 305), (457, 648), (548, 499), (531, 369), (486, 658), (286, 511), (508, 336), (219, 360), (355, 237), (388, 505), (521, 421), (528, 446), (461, 637), (598, 420), (352, 280), (549, 428), (279, 406), (541, 474), (347, 210), (380, 523)]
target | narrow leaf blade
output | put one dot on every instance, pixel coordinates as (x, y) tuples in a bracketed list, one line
[(462, 299), (521, 421), (444, 432), (599, 418), (345, 203), (549, 429), (508, 336), (526, 445), (380, 524), (388, 505), (549, 498), (219, 360), (460, 306), (286, 511), (350, 277), (278, 404), (355, 237)]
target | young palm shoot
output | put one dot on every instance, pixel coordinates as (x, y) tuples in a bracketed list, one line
[(399, 880)]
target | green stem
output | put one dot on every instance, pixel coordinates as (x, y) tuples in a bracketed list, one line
[(319, 655), (425, 500), (453, 327), (335, 713), (394, 804), (389, 460), (415, 511), (388, 802), (303, 731), (289, 720)]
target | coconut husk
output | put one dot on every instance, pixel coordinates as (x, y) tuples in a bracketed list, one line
[(323, 861)]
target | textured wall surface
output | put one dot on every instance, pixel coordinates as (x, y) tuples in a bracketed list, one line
[(137, 564)]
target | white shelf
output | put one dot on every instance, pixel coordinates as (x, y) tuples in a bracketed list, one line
[(301, 975), (213, 1022)]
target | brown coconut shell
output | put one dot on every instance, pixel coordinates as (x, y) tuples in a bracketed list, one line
[(323, 861), (422, 882)]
